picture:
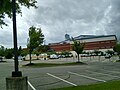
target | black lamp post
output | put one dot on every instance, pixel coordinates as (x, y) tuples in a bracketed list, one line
[(15, 73)]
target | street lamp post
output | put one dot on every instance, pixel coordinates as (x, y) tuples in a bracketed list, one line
[(16, 82), (16, 73)]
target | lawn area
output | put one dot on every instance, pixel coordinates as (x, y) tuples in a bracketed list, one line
[(52, 64), (111, 85)]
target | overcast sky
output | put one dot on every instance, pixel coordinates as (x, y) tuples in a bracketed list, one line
[(58, 17)]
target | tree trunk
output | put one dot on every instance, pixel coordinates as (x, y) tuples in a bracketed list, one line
[(119, 57), (37, 58), (78, 58), (30, 56)]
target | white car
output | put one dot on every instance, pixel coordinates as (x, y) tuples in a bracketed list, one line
[(54, 56)]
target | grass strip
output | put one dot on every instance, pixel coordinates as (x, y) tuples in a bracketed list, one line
[(52, 64), (111, 85)]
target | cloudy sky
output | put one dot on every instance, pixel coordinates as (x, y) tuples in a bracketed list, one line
[(58, 17)]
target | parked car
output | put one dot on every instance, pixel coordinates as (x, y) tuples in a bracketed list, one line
[(21, 58), (54, 56)]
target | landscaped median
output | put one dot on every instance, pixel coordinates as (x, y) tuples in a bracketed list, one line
[(53, 64), (110, 85)]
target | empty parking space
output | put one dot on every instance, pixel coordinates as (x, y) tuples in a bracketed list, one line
[(86, 76), (58, 80), (105, 74), (80, 79), (66, 81), (50, 81)]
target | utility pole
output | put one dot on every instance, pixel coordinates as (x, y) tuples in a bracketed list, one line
[(16, 73)]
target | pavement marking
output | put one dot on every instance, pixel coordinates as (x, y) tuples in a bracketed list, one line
[(61, 79), (87, 77), (111, 71), (31, 85), (103, 74)]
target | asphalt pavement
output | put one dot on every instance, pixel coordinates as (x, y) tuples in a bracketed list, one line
[(95, 71)]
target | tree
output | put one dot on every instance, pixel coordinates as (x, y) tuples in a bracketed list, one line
[(43, 48), (116, 48), (110, 52), (6, 8), (78, 47), (19, 51), (36, 38), (97, 52), (36, 53), (2, 51), (9, 53), (24, 52), (65, 53)]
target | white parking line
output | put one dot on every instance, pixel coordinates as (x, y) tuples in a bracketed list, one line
[(31, 85), (87, 77), (111, 71), (62, 79), (103, 74)]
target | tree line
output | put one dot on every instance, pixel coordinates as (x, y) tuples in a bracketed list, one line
[(34, 43)]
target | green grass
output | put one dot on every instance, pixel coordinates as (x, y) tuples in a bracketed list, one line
[(111, 85), (52, 64)]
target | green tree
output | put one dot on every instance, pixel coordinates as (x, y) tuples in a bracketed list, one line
[(9, 53), (36, 52), (24, 52), (43, 48), (19, 51), (36, 38), (2, 51), (116, 48), (110, 52), (66, 53), (78, 47), (97, 52), (6, 8)]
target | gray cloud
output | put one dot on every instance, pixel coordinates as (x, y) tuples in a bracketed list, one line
[(75, 17), (114, 25)]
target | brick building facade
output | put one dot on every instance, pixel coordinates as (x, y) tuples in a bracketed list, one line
[(92, 42)]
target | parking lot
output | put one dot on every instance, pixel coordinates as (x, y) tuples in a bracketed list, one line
[(64, 76)]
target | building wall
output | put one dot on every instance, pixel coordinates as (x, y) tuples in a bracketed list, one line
[(61, 47), (101, 43)]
